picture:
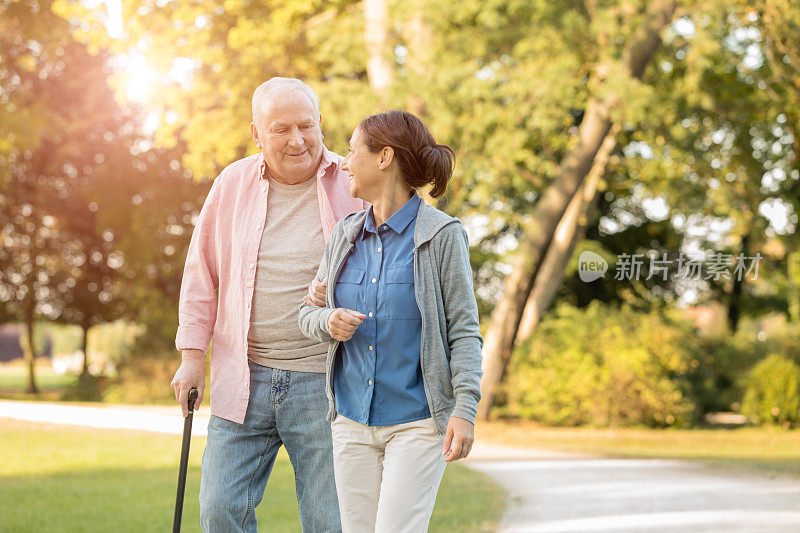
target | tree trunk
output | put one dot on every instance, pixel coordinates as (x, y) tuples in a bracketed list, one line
[(592, 132), (85, 348), (793, 291), (568, 234), (376, 38), (735, 297), (419, 36), (30, 351)]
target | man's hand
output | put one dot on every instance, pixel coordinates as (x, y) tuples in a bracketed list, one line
[(190, 374), (342, 323), (316, 293), (458, 439)]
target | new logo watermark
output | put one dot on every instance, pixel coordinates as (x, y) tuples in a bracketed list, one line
[(591, 266)]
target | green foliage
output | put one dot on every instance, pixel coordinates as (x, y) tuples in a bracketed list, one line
[(772, 393), (145, 378), (114, 339), (605, 366), (730, 357), (87, 388)]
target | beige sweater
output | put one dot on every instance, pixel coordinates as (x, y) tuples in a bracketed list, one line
[(291, 247)]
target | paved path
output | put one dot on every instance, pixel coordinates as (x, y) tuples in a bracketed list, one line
[(548, 491), (559, 492), (160, 419)]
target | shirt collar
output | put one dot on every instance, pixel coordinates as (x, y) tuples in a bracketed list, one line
[(401, 218), (328, 159)]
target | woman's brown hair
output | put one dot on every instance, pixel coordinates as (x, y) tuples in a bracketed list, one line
[(421, 160)]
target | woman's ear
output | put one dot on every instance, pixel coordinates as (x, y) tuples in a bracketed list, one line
[(387, 155)]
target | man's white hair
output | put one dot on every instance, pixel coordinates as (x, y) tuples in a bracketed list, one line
[(276, 87)]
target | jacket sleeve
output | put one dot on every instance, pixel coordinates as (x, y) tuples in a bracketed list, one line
[(197, 308), (463, 323), (313, 320)]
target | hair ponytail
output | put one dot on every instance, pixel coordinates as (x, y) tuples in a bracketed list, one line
[(437, 162)]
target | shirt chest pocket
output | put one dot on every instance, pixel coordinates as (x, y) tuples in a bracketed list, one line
[(348, 288), (399, 300)]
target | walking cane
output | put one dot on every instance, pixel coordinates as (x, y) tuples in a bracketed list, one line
[(187, 437)]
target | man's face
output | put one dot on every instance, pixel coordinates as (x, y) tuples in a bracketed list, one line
[(290, 138)]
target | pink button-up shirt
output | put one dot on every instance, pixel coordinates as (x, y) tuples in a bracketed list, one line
[(219, 276)]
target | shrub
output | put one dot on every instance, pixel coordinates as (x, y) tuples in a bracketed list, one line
[(729, 357), (145, 379), (606, 366), (772, 392)]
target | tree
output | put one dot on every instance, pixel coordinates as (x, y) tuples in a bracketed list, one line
[(591, 134), (77, 188)]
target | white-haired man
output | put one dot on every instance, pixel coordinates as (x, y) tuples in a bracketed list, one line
[(256, 246)]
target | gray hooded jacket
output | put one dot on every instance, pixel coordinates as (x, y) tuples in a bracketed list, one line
[(451, 344)]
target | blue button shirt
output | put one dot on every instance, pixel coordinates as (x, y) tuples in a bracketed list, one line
[(377, 374)]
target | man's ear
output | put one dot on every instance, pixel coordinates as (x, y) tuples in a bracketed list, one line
[(387, 156), (254, 133)]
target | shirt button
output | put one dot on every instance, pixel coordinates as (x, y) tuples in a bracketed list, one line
[(252, 265), (258, 227), (379, 250), (263, 189), (370, 314), (370, 383), (373, 280), (370, 347)]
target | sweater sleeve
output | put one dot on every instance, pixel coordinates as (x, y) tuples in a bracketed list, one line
[(313, 321), (461, 316)]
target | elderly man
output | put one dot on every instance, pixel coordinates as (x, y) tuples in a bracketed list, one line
[(257, 245)]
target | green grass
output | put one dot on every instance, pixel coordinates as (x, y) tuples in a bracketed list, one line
[(16, 378), (52, 386), (769, 450), (65, 479)]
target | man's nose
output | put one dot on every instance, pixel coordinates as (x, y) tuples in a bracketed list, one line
[(295, 138)]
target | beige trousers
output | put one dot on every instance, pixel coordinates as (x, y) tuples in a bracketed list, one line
[(386, 476)]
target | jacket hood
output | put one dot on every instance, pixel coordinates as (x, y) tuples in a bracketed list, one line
[(430, 221)]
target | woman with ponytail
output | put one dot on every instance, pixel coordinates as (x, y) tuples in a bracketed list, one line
[(404, 362)]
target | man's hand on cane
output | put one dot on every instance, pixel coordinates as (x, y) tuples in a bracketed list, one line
[(191, 374)]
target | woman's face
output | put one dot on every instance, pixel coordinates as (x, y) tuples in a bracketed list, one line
[(363, 167)]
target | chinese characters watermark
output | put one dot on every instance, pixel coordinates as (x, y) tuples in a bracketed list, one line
[(718, 266)]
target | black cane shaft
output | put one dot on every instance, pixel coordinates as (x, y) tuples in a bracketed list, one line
[(187, 437)]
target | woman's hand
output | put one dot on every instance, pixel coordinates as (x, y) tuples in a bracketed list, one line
[(458, 439), (342, 323), (316, 293)]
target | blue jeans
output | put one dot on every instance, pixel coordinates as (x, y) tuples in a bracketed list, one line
[(285, 408)]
